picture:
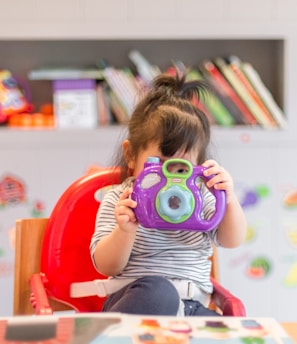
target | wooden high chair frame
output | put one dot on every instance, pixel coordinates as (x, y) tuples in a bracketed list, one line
[(30, 284), (28, 244)]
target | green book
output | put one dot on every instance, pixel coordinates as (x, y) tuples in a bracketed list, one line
[(220, 113)]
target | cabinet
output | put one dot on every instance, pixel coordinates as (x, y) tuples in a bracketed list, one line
[(263, 33)]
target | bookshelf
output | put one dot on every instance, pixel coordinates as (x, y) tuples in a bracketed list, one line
[(266, 55)]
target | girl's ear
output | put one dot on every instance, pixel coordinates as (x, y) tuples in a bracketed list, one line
[(128, 155)]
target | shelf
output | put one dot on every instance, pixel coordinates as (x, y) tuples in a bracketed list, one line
[(21, 56), (251, 137), (13, 139)]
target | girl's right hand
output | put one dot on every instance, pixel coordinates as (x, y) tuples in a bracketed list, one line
[(124, 213)]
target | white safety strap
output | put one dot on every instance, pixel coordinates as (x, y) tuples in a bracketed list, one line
[(102, 288), (187, 290)]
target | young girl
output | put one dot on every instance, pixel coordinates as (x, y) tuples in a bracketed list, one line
[(163, 272)]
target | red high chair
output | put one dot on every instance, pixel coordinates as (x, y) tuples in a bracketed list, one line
[(52, 254)]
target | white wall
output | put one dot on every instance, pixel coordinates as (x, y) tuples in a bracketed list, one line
[(140, 18)]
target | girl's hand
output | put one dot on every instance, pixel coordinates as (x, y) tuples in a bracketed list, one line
[(221, 180), (124, 212), (233, 227)]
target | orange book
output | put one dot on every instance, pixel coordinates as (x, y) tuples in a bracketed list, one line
[(266, 119)]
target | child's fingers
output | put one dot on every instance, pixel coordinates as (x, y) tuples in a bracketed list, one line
[(124, 214), (209, 163), (126, 194), (212, 167), (219, 176), (127, 203)]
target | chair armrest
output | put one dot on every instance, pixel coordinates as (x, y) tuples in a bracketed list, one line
[(229, 304), (39, 298)]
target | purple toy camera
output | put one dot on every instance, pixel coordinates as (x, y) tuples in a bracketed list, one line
[(168, 196)]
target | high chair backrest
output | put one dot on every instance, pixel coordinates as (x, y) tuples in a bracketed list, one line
[(65, 255)]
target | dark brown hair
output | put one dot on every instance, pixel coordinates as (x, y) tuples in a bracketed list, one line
[(167, 115)]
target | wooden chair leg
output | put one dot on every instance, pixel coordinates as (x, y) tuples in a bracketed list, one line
[(28, 240)]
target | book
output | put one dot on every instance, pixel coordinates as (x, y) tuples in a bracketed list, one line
[(194, 75), (75, 103), (202, 107), (104, 112), (145, 69), (124, 86), (242, 86), (213, 106), (225, 92), (64, 73), (264, 93), (117, 109), (236, 65), (208, 103)]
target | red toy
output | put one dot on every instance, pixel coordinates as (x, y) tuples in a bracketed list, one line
[(12, 100)]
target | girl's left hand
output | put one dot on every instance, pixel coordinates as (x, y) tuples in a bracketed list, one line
[(221, 179)]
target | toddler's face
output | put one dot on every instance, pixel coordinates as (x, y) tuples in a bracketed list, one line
[(153, 151)]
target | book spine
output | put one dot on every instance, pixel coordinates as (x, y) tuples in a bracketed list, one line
[(266, 96), (122, 87), (117, 108), (219, 111), (146, 70), (257, 113), (225, 92), (214, 106), (202, 107), (133, 84), (104, 114), (236, 65)]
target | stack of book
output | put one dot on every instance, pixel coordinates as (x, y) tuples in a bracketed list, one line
[(237, 97), (121, 90), (240, 89)]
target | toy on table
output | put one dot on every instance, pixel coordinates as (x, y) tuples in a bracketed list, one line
[(168, 196)]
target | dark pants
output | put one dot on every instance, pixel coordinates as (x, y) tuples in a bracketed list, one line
[(152, 295)]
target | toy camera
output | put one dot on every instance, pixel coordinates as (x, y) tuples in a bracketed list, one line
[(168, 196)]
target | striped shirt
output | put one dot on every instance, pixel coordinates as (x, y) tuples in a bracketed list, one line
[(174, 254)]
